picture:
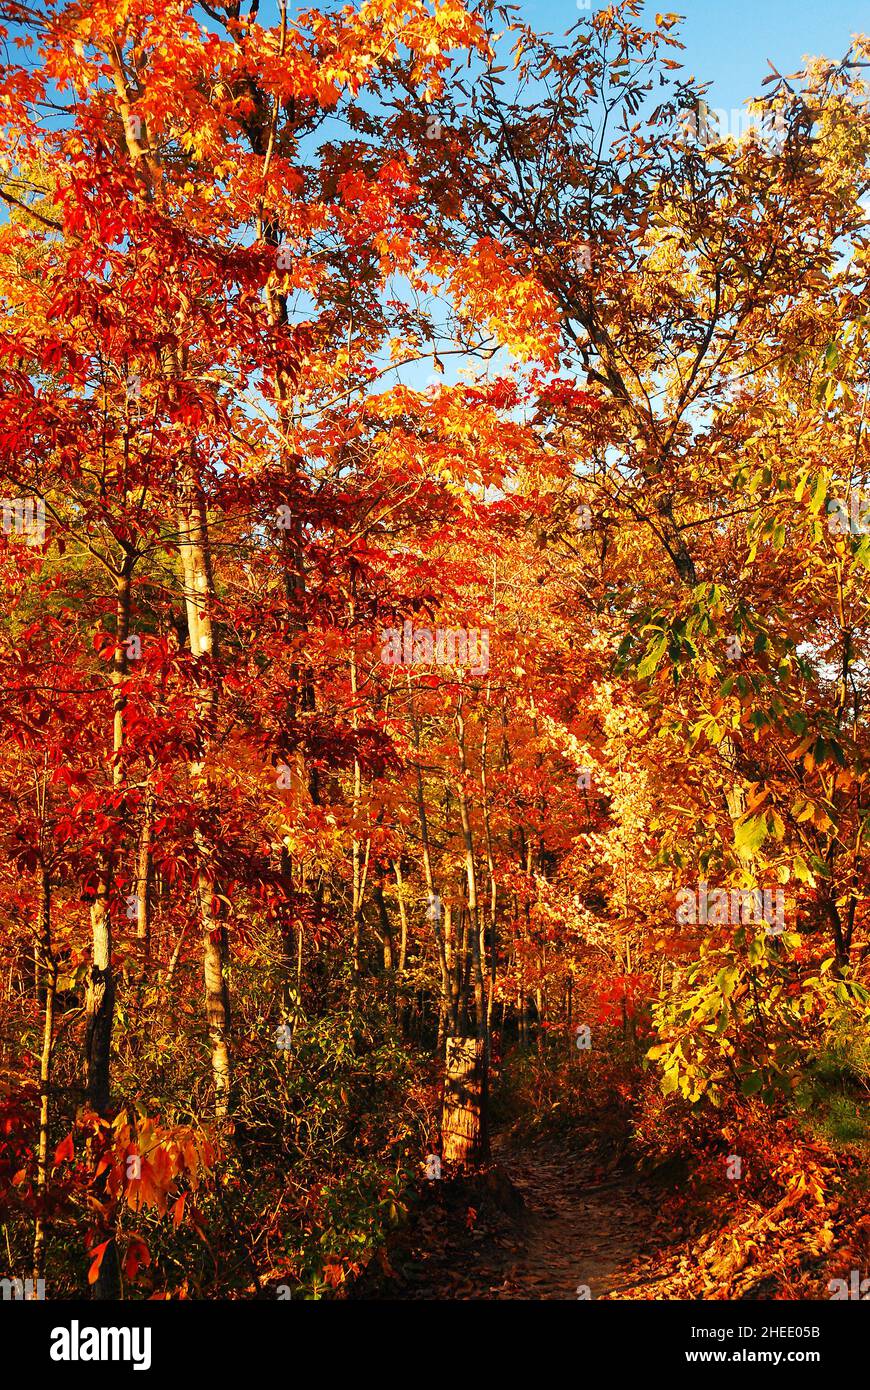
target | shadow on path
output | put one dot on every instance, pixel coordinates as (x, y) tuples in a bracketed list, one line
[(545, 1222)]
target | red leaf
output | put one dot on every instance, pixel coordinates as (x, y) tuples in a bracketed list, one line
[(64, 1151), (137, 1255)]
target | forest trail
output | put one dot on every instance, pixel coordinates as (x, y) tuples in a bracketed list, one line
[(580, 1222), (578, 1228)]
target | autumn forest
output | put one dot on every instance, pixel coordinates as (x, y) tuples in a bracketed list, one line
[(434, 743)]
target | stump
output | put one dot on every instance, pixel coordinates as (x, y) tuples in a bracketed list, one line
[(464, 1136)]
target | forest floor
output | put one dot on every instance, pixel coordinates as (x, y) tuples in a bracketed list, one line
[(546, 1221), (568, 1217)]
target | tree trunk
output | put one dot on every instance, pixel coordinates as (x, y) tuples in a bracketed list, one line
[(403, 915), (49, 976), (471, 877), (386, 928), (100, 999), (493, 886), (143, 885), (448, 1007), (199, 595), (464, 1136)]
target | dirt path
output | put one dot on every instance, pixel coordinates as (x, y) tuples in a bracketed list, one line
[(580, 1232), (576, 1224)]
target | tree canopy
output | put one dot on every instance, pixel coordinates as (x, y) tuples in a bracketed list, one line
[(435, 556)]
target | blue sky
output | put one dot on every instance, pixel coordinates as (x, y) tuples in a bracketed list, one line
[(728, 42)]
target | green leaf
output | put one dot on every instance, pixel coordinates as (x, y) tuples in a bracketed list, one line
[(653, 657), (750, 835), (820, 492)]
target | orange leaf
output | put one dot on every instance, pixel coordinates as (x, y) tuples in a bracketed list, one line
[(94, 1271)]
